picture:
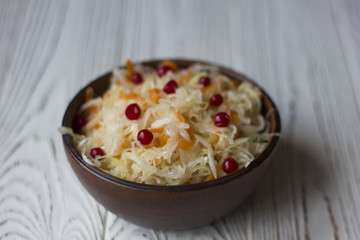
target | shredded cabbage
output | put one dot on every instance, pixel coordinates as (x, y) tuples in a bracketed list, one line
[(187, 147)]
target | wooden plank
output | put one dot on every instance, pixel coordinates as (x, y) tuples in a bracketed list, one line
[(305, 53), (40, 196)]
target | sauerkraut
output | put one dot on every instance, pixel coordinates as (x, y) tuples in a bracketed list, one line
[(187, 146)]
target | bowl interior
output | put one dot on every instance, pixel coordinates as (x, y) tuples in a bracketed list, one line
[(101, 84)]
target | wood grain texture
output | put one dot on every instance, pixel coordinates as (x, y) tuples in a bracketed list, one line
[(306, 54)]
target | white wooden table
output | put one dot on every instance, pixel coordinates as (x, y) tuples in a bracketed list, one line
[(305, 53)]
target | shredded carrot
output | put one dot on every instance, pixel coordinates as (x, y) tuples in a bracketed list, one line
[(131, 96), (179, 116), (186, 145), (188, 75), (212, 87), (154, 95), (235, 82), (107, 95), (215, 134), (147, 146), (130, 67), (125, 144), (171, 64), (89, 94), (217, 166), (233, 115), (95, 127), (211, 176), (163, 139), (155, 161), (215, 139), (93, 110), (157, 130)]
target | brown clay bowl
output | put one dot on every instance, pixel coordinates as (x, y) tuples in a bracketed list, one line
[(169, 207)]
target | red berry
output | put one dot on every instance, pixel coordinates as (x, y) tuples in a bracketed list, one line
[(230, 165), (137, 78), (205, 81), (163, 70), (78, 123), (145, 137), (222, 119), (216, 100), (97, 152), (170, 87), (133, 111)]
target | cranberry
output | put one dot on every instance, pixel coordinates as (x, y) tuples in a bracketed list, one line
[(145, 137), (170, 87), (216, 100), (222, 119), (97, 152), (230, 165), (205, 81), (163, 70), (133, 111), (78, 123), (137, 78)]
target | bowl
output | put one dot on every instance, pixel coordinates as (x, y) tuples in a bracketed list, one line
[(169, 207)]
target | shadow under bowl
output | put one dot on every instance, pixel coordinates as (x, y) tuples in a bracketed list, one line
[(169, 207)]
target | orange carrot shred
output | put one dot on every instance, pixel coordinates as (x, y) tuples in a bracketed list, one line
[(211, 176), (154, 95), (163, 139), (89, 93), (131, 96), (217, 166), (179, 116), (125, 144), (187, 76), (130, 67), (155, 161), (235, 82), (212, 87), (171, 64), (96, 126), (157, 130), (233, 115), (92, 110), (186, 145)]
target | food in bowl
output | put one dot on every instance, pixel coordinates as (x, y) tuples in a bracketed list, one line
[(181, 206), (171, 126)]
